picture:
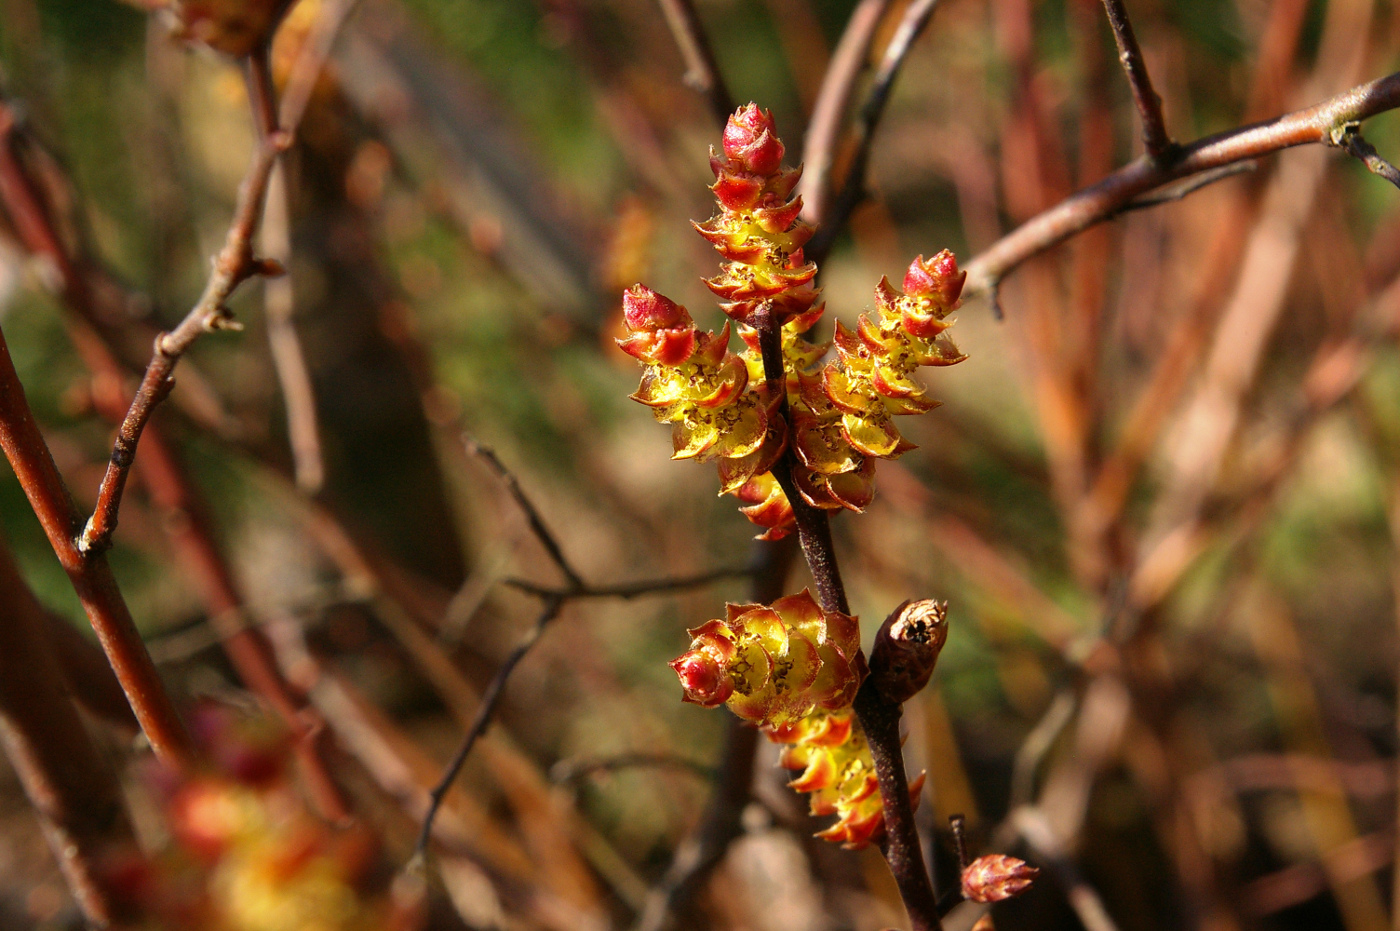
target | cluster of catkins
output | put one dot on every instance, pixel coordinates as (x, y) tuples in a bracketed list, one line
[(837, 417), (790, 668)]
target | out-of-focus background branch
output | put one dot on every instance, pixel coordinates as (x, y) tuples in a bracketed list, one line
[(1160, 498)]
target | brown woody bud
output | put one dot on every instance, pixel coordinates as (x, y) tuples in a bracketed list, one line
[(996, 877), (907, 647)]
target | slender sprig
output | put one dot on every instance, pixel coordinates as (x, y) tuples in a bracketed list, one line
[(553, 600)]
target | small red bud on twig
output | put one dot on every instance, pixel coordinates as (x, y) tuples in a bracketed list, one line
[(907, 647), (997, 877)]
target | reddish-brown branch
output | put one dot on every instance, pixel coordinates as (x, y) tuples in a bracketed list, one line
[(89, 573), (193, 540), (72, 788), (1155, 137), (853, 190), (173, 493), (828, 115), (1120, 189), (90, 679)]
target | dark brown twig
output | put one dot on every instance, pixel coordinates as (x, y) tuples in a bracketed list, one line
[(553, 600), (1106, 199), (701, 72), (234, 265), (489, 700), (629, 590), (1348, 138), (879, 717), (1155, 137), (537, 525), (853, 190)]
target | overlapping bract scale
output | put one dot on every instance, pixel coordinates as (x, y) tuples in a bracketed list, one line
[(836, 768), (773, 664)]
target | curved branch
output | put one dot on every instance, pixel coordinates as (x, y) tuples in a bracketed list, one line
[(853, 190), (1113, 194), (838, 86)]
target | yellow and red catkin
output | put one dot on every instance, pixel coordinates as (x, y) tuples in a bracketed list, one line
[(692, 381), (838, 417), (793, 669)]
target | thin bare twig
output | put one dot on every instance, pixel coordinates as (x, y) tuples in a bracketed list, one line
[(1348, 138), (853, 190), (553, 600), (288, 360), (311, 60), (489, 700), (630, 590), (1181, 189), (234, 265), (89, 573), (537, 525), (279, 301), (1155, 137), (701, 71), (1105, 199)]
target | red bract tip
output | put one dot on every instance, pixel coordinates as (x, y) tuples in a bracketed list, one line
[(751, 139), (938, 277), (996, 877), (703, 680), (644, 309)]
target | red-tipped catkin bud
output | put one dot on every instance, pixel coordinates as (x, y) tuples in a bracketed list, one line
[(660, 331), (751, 139), (937, 278), (907, 647), (705, 681), (996, 877), (645, 309)]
